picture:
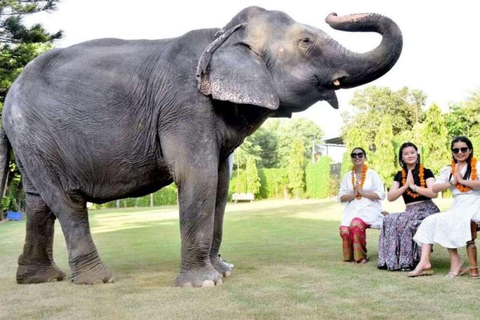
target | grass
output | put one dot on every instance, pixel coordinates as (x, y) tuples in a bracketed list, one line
[(287, 257)]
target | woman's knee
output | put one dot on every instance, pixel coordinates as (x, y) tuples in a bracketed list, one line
[(358, 223), (344, 232)]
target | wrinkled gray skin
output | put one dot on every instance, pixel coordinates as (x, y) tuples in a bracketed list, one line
[(109, 119)]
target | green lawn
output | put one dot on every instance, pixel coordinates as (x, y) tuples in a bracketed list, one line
[(287, 257)]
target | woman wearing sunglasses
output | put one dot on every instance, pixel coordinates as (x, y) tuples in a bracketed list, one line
[(396, 248), (451, 228), (362, 191)]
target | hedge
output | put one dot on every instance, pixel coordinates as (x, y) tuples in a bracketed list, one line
[(318, 180)]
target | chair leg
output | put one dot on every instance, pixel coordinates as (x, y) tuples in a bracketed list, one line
[(472, 253)]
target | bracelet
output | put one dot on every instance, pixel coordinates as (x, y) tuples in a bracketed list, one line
[(415, 188)]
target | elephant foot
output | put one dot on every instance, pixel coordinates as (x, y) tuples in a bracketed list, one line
[(201, 277), (225, 269), (98, 275), (27, 274)]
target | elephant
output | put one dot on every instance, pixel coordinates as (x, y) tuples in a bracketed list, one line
[(109, 119)]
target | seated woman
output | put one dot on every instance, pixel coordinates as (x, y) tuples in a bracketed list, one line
[(451, 228), (396, 248), (361, 189)]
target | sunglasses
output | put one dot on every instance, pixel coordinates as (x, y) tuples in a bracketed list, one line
[(356, 155), (457, 150)]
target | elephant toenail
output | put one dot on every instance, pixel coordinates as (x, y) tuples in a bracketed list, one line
[(208, 283)]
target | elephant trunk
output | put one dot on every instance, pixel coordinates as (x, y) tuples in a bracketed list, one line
[(362, 68)]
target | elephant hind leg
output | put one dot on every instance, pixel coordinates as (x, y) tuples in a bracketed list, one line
[(36, 264), (85, 263), (71, 211)]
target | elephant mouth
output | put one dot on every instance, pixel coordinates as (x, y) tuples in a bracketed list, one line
[(327, 90), (331, 98)]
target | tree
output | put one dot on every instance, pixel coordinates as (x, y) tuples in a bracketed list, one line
[(296, 166), (384, 157), (463, 119), (457, 121), (373, 105), (435, 140), (20, 44), (305, 131), (253, 180), (266, 138)]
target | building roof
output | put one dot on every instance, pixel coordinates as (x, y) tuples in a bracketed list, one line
[(336, 140)]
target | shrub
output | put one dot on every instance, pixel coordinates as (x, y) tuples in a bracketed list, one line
[(318, 181)]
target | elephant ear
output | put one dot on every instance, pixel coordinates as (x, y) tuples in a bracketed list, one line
[(229, 70)]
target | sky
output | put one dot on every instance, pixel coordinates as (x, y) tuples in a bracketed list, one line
[(441, 54)]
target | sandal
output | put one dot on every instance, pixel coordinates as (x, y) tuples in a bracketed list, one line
[(364, 260), (420, 273), (474, 273), (460, 273)]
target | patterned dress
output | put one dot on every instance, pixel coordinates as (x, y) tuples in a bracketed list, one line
[(396, 248)]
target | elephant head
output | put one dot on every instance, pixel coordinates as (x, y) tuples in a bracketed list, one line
[(267, 59)]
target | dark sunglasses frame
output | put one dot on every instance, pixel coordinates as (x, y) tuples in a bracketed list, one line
[(355, 155), (463, 149)]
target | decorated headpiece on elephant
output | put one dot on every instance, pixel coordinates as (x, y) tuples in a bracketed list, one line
[(109, 119)]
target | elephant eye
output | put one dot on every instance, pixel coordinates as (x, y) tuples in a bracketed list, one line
[(305, 42)]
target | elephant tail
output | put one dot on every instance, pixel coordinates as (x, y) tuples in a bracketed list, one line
[(5, 148)]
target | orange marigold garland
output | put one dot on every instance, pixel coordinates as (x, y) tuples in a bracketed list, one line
[(421, 175), (362, 181), (473, 175)]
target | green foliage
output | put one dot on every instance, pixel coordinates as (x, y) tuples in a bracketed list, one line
[(274, 182), (346, 163), (253, 180), (463, 118), (266, 138), (296, 165), (165, 196), (305, 131), (248, 149), (20, 44), (384, 156), (9, 203), (246, 180), (318, 179), (373, 105), (435, 140)]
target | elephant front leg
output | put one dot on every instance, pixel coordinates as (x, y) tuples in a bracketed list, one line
[(221, 202), (197, 194)]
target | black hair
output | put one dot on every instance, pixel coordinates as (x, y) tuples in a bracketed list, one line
[(400, 153), (363, 150), (470, 146)]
